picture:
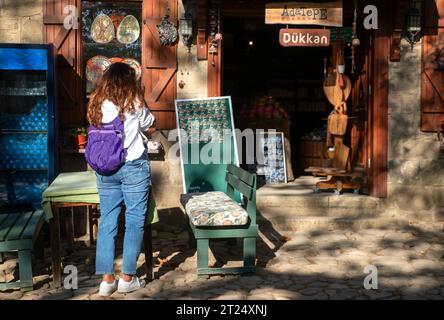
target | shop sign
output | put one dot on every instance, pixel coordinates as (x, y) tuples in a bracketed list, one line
[(304, 13), (304, 37)]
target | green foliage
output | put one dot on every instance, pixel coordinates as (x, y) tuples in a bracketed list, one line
[(79, 131)]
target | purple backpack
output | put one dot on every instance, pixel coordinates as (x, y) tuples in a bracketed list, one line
[(104, 151)]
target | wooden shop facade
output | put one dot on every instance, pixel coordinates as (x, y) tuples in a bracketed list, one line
[(275, 71)]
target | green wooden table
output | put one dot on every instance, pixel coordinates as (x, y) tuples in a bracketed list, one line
[(76, 189)]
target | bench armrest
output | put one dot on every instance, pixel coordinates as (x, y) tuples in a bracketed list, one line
[(244, 182)]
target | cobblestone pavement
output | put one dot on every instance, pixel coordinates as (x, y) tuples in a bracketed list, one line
[(319, 264)]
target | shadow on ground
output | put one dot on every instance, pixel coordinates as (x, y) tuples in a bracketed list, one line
[(314, 264)]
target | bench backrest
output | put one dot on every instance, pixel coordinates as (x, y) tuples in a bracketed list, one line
[(244, 182)]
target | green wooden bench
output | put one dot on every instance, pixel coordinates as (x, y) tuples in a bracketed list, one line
[(20, 232), (216, 215)]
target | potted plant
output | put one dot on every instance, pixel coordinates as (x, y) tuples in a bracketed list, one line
[(79, 138)]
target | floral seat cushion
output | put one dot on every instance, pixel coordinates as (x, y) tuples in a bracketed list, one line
[(214, 209)]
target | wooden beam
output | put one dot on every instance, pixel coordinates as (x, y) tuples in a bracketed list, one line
[(379, 129), (50, 19), (400, 7), (214, 86), (161, 106), (162, 84), (67, 92), (61, 36), (202, 43)]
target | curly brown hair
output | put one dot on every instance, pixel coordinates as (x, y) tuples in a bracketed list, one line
[(118, 85)]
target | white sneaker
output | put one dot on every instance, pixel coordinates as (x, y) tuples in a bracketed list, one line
[(107, 289), (133, 285)]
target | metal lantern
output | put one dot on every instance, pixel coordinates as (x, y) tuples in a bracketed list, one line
[(167, 32), (413, 25), (186, 29)]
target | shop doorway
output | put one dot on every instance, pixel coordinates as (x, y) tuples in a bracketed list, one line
[(273, 85)]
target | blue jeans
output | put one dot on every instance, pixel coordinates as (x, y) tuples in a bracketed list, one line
[(129, 185)]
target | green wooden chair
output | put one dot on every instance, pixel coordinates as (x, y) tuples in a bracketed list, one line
[(20, 232), (216, 215)]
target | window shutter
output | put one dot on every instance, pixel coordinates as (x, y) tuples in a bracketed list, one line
[(432, 76), (159, 63), (66, 42)]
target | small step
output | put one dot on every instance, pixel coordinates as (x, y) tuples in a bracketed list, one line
[(285, 212), (295, 206), (300, 194), (331, 223), (314, 203)]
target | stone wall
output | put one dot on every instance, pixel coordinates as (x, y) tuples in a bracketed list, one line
[(21, 21), (191, 71), (416, 175), (166, 175)]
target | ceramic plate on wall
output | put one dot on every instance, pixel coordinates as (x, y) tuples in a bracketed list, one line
[(115, 59), (95, 67), (102, 29), (135, 65), (129, 30)]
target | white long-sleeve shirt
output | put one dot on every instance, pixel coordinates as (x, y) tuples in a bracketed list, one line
[(135, 123)]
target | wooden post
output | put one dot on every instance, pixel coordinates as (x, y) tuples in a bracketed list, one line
[(215, 72), (249, 252), (55, 246), (380, 85), (69, 225), (202, 254), (25, 269), (202, 43)]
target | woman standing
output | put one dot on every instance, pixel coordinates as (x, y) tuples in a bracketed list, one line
[(117, 104)]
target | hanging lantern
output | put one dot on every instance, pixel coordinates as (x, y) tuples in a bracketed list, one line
[(167, 32), (186, 30), (413, 25), (213, 48), (218, 37)]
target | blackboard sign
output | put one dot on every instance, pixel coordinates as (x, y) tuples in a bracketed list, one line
[(274, 163), (207, 142)]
